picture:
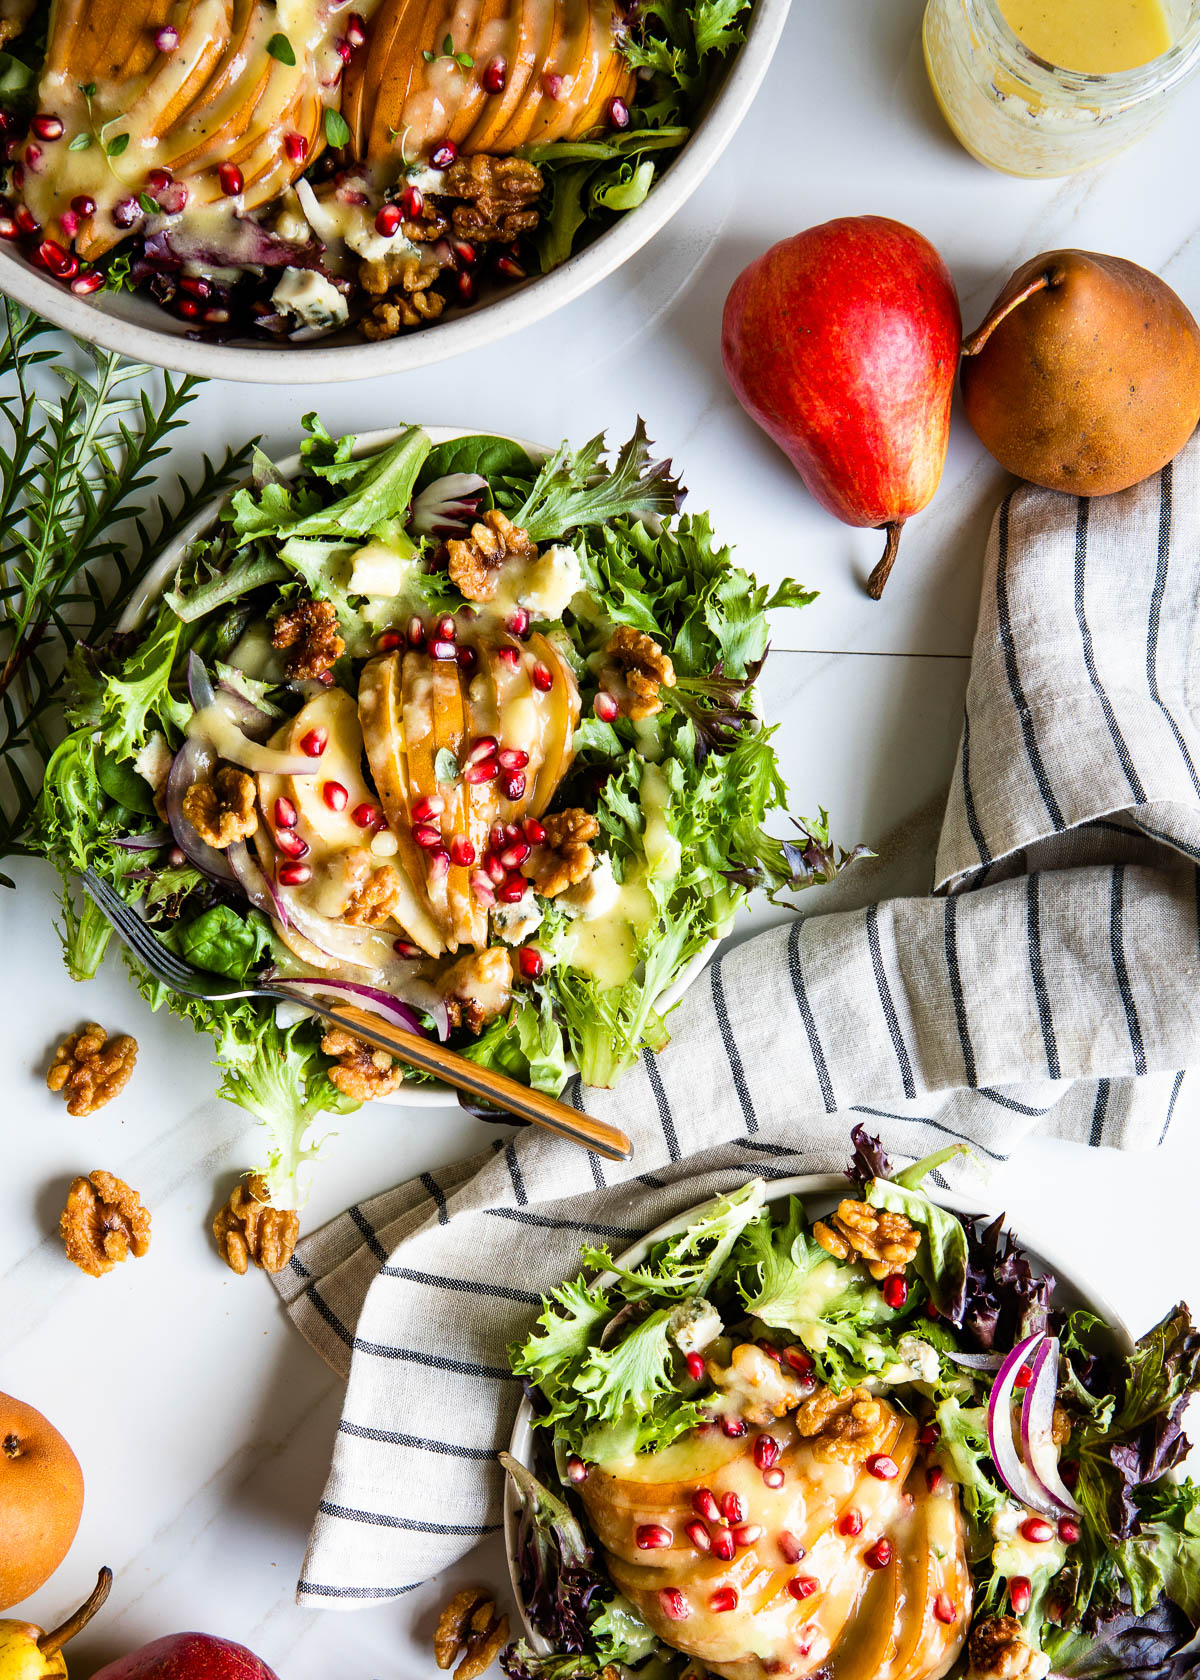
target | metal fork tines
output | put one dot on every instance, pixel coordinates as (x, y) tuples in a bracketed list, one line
[(149, 949)]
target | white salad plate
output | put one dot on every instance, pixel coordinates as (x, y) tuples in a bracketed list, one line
[(413, 1093), (138, 328), (819, 1193)]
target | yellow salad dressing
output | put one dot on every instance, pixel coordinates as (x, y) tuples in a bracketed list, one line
[(1098, 37)]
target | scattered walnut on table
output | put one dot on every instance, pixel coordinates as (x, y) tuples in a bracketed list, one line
[(469, 1624), (309, 631), (499, 195), (886, 1241), (634, 672), (223, 810), (249, 1228), (478, 988), (564, 858), (103, 1222), (475, 560), (362, 1071), (89, 1068)]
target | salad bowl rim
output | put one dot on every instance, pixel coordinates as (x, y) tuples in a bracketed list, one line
[(139, 329), (521, 1440), (411, 1093)]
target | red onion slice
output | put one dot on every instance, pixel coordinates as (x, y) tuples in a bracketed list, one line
[(369, 998), (975, 1361), (211, 721), (1020, 1481), (447, 506), (1037, 1426)]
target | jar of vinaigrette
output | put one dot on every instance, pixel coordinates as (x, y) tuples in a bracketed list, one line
[(1048, 87)]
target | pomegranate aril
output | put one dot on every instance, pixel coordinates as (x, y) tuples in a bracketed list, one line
[(293, 874), (167, 38), (314, 742), (405, 948), (356, 29), (463, 251), (674, 1604), (58, 259), (698, 1534), (25, 221), (439, 864), (797, 1360), (766, 1451), (365, 815), (126, 211), (343, 49), (542, 677), (486, 771), (745, 1534), (427, 836), (513, 890), (512, 784), (513, 856), (444, 155), (803, 1586), (495, 76), (733, 1427), (335, 795), (577, 1470), (883, 1467), (176, 856), (934, 1478), (68, 221), (198, 288), (1068, 1530), (416, 633), (187, 309), (83, 205), (290, 843), (1023, 1377), (1020, 1592), (466, 287), (618, 113), (771, 1351), (929, 1434), (695, 1366), (442, 650), (496, 872), (534, 832), (1037, 1530), (482, 888), (388, 642), (704, 1503), (850, 1522), (895, 1291), (879, 1555), (790, 1548), (517, 622), (468, 659), (296, 146), (509, 656), (773, 1478), (33, 157), (530, 962), (553, 84), (286, 815), (483, 746), (605, 707), (47, 126), (83, 284), (509, 268), (732, 1508), (723, 1545), (159, 180), (387, 222), (512, 758), (653, 1537), (230, 177), (945, 1609), (723, 1600), (8, 227)]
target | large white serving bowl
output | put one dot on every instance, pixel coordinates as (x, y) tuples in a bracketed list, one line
[(819, 1192), (413, 1093), (141, 330)]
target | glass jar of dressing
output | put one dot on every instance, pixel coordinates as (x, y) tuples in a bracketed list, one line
[(1047, 87)]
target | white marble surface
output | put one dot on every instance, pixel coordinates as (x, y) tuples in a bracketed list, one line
[(204, 1424)]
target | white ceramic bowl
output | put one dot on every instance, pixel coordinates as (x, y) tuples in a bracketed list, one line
[(416, 1093), (144, 332), (819, 1192)]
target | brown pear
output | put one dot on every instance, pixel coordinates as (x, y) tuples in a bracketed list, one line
[(1085, 376)]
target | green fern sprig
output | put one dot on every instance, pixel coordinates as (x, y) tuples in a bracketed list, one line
[(79, 523)]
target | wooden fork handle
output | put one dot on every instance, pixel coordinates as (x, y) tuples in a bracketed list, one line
[(487, 1083)]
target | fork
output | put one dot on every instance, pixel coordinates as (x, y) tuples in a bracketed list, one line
[(410, 1048)]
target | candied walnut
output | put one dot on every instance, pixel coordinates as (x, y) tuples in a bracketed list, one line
[(310, 632), (223, 810), (886, 1241), (1060, 1426), (564, 858), (469, 1624), (249, 1228), (635, 670), (374, 898), (363, 1071), (758, 1387), (103, 1223), (478, 988), (404, 287), (89, 1068), (475, 561), (849, 1426), (999, 1652), (500, 194)]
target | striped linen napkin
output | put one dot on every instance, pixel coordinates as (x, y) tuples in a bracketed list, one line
[(1049, 984)]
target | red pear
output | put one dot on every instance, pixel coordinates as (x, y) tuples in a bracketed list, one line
[(842, 343), (188, 1656)]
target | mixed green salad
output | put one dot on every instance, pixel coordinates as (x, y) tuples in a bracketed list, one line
[(1061, 1442), (353, 545)]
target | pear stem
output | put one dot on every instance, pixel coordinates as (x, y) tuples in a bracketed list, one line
[(882, 571), (54, 1641), (975, 343)]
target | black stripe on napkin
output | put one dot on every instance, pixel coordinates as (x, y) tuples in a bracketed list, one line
[(377, 1519), (981, 845), (1033, 934), (392, 1438), (1165, 495), (1096, 1137), (889, 1006), (1032, 750), (1116, 935), (934, 1126), (956, 991), (806, 1015), (1124, 757), (460, 1286), (435, 1190), (315, 1591), (665, 1118), (732, 1053)]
